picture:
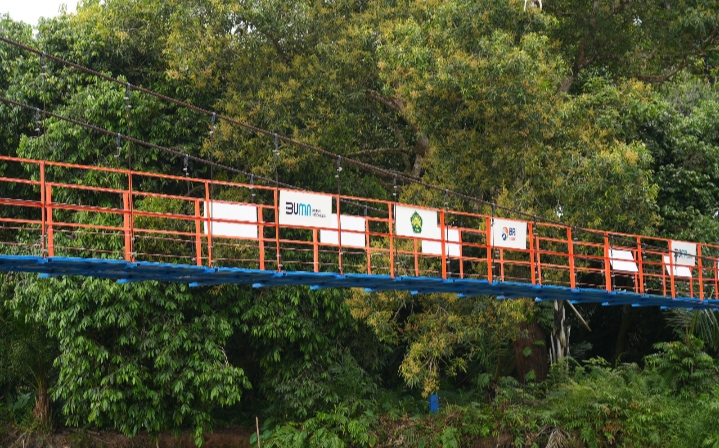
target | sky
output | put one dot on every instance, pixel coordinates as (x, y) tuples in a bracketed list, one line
[(30, 11)]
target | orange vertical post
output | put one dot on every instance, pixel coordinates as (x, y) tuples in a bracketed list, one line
[(198, 233), (315, 250), (607, 264), (570, 247), (488, 222), (671, 271), (391, 241), (538, 252), (208, 220), (367, 243), (261, 235), (701, 272), (461, 262), (131, 221), (501, 264), (640, 261), (277, 230), (126, 226), (50, 233), (532, 261), (44, 211), (416, 258), (43, 243), (443, 231), (664, 278), (339, 236)]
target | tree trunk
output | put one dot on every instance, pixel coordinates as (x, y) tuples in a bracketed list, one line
[(560, 334), (530, 351), (43, 408)]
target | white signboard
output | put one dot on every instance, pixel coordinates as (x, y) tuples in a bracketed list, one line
[(685, 254), (415, 222), (622, 260), (435, 247), (349, 239), (305, 209), (679, 270), (234, 212), (509, 234)]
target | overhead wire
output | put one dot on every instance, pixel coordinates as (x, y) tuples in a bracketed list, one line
[(369, 167), (171, 151)]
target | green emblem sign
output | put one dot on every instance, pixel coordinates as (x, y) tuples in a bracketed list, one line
[(416, 221)]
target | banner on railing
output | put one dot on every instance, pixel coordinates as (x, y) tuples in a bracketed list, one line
[(622, 260), (435, 247), (685, 254), (509, 234), (679, 270), (305, 209), (235, 212), (415, 222), (349, 239)]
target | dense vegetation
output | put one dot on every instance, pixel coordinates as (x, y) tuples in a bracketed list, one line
[(605, 113)]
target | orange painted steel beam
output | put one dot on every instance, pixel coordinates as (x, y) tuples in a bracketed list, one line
[(198, 234), (488, 223), (48, 221), (570, 247), (701, 272), (43, 199), (391, 241), (277, 229)]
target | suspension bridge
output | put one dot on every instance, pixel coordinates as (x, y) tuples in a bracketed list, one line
[(63, 219)]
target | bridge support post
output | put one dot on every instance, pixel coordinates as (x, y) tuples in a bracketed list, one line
[(43, 230), (607, 265), (570, 247), (198, 234), (209, 223), (443, 236), (391, 240), (48, 222), (277, 230), (701, 272), (126, 227), (532, 260), (488, 223), (640, 262)]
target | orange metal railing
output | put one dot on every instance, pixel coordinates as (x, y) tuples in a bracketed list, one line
[(62, 209)]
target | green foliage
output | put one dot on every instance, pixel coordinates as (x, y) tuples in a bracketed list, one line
[(684, 367), (137, 357)]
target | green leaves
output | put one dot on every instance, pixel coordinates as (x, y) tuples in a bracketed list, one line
[(137, 358)]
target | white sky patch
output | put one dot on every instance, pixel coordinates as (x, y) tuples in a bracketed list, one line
[(30, 11)]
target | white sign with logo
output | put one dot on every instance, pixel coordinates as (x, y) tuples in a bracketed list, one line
[(349, 239), (684, 254), (234, 212), (509, 234), (305, 209), (679, 270), (435, 247), (415, 222)]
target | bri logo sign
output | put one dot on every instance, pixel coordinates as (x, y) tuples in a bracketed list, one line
[(509, 234)]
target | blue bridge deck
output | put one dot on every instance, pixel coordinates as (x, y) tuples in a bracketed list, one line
[(198, 276)]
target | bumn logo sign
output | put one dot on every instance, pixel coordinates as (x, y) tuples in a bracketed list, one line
[(306, 209)]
